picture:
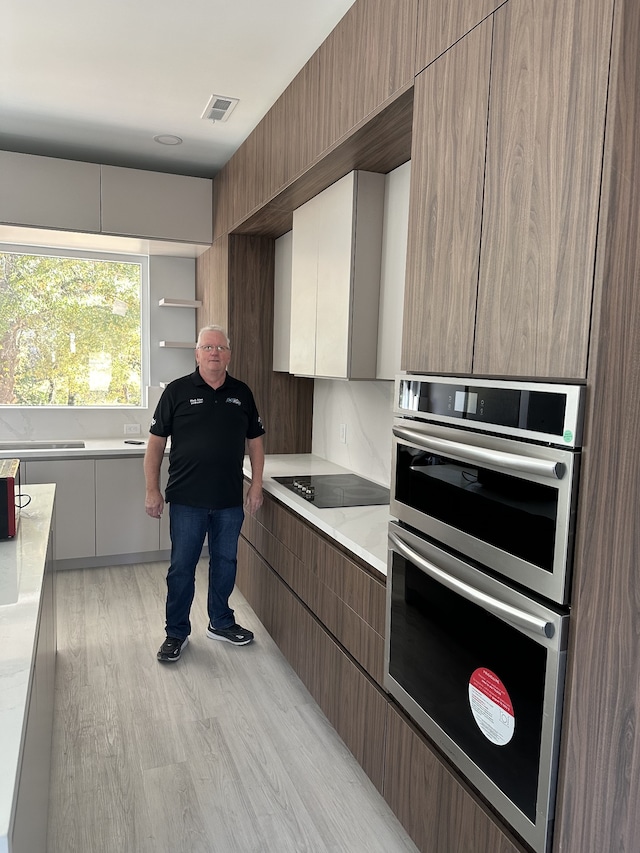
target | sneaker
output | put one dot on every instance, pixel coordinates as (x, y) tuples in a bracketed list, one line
[(171, 649), (236, 634)]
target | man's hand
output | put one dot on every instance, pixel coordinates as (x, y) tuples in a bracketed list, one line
[(253, 501), (154, 503)]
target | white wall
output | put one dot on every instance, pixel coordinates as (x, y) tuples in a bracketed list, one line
[(365, 410), (168, 277)]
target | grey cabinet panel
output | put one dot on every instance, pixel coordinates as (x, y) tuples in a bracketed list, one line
[(49, 193), (74, 515), (152, 204), (122, 525)]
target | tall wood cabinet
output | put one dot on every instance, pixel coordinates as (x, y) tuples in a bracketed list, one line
[(535, 192), (544, 153), (445, 207)]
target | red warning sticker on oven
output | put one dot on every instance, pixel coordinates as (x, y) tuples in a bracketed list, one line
[(491, 706)]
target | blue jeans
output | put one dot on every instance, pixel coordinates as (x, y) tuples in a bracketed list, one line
[(188, 527)]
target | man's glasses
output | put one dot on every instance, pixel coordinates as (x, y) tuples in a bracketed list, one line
[(211, 347)]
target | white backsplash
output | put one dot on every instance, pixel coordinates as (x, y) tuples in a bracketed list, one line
[(365, 410), (47, 424)]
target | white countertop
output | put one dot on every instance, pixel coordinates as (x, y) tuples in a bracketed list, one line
[(360, 529), (22, 563), (92, 447)]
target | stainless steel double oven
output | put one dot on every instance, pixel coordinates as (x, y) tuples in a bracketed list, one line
[(484, 488)]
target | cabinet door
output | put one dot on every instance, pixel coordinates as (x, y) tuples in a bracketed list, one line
[(141, 203), (122, 525), (445, 207), (304, 284), (335, 281), (49, 192), (74, 525), (336, 237), (544, 152), (438, 811)]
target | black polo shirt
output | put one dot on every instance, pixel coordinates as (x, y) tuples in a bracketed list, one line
[(208, 428)]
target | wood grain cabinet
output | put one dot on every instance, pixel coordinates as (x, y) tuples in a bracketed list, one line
[(502, 240), (365, 62), (442, 24), (335, 279), (544, 154), (445, 207), (344, 596), (439, 812)]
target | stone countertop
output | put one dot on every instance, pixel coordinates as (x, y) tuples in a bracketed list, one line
[(92, 447), (360, 529), (22, 565)]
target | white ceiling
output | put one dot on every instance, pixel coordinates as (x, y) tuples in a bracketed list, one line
[(97, 81)]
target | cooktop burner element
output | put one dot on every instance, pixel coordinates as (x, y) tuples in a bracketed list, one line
[(336, 490)]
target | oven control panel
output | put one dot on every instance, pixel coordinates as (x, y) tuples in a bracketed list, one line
[(535, 411)]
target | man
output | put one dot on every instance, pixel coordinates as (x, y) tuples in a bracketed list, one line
[(209, 416)]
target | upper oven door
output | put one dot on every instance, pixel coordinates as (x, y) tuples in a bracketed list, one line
[(506, 504)]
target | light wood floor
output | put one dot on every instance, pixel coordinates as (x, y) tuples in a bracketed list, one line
[(223, 751)]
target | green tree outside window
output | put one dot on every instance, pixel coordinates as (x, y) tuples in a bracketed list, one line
[(70, 331)]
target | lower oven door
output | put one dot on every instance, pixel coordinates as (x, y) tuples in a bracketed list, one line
[(480, 667)]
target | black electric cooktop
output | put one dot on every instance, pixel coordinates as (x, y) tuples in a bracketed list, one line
[(336, 490)]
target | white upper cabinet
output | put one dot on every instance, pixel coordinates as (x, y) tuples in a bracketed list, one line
[(335, 279), (157, 205), (49, 193)]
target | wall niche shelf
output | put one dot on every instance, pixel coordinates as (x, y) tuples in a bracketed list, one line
[(180, 303), (177, 344)]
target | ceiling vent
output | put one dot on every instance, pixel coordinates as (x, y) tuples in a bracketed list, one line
[(219, 108)]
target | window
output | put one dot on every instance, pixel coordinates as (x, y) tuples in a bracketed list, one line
[(71, 328)]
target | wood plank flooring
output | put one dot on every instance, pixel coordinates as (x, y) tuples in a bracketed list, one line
[(223, 751)]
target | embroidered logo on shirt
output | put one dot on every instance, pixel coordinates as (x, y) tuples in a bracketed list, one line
[(195, 401), (233, 400)]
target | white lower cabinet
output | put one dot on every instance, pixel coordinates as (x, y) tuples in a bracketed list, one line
[(74, 528), (122, 525), (99, 509)]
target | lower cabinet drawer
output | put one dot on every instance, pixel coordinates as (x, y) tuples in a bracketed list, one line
[(353, 705), (346, 598)]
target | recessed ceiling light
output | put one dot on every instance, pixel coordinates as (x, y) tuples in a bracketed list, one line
[(167, 139)]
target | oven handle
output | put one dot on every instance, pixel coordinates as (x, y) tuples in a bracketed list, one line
[(469, 453), (518, 618)]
